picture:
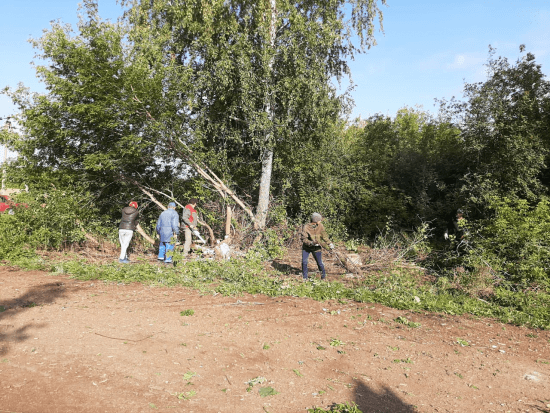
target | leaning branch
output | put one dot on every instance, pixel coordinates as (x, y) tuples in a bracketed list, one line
[(203, 170)]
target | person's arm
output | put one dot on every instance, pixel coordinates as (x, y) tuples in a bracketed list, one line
[(326, 244), (305, 238), (175, 223)]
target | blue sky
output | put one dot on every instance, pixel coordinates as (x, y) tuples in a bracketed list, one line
[(428, 50)]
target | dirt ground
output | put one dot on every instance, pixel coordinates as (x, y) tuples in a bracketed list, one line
[(74, 346)]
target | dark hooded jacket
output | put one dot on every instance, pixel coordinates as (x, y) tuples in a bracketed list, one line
[(129, 218)]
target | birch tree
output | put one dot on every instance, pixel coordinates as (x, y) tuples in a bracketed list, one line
[(252, 78)]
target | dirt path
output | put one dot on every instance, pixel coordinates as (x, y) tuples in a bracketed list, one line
[(73, 346)]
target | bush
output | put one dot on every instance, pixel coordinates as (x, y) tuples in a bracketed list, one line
[(514, 243), (46, 220)]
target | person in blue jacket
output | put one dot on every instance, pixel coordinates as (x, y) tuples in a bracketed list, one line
[(168, 226)]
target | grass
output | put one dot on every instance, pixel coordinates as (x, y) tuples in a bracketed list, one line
[(267, 391), (187, 313), (398, 288), (404, 321)]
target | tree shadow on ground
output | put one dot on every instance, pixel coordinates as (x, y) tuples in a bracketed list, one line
[(385, 400), (36, 296)]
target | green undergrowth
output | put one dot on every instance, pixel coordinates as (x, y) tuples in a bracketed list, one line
[(397, 288)]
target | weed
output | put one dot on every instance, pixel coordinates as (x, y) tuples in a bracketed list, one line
[(252, 382), (5, 361), (462, 342), (334, 342), (186, 395), (266, 346), (267, 391), (187, 313), (2, 308), (152, 406), (393, 348), (542, 361), (531, 335), (297, 372), (189, 375), (404, 321), (459, 375)]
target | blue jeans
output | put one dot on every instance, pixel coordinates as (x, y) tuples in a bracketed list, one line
[(164, 249), (318, 260)]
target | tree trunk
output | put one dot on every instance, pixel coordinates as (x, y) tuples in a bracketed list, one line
[(228, 222), (267, 155), (265, 183)]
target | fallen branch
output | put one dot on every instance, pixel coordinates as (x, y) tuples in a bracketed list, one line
[(148, 191), (203, 169), (141, 232), (125, 339), (212, 238)]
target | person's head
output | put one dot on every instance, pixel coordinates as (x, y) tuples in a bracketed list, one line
[(133, 204), (316, 218), (459, 213), (172, 205), (193, 201)]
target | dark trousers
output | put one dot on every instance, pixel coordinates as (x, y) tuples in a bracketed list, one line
[(318, 260)]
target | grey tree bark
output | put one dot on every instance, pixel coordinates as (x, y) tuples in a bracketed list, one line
[(267, 155)]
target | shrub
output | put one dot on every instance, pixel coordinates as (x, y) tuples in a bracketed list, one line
[(46, 220)]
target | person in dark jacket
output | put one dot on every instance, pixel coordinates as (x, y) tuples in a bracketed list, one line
[(126, 229), (314, 238), (168, 226)]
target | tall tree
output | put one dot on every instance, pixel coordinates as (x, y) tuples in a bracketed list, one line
[(505, 128), (259, 74)]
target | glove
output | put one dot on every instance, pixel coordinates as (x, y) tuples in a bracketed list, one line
[(196, 233), (331, 246), (446, 235)]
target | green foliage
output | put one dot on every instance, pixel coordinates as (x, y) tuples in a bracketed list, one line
[(510, 248), (187, 313), (517, 241), (267, 391), (46, 220), (404, 321), (504, 127), (399, 289), (270, 246)]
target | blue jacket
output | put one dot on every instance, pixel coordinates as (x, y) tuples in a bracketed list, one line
[(168, 225)]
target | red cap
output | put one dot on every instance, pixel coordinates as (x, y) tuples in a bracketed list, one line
[(134, 204)]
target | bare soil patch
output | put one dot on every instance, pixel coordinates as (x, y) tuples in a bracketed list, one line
[(68, 345)]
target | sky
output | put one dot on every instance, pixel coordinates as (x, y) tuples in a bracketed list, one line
[(429, 48)]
